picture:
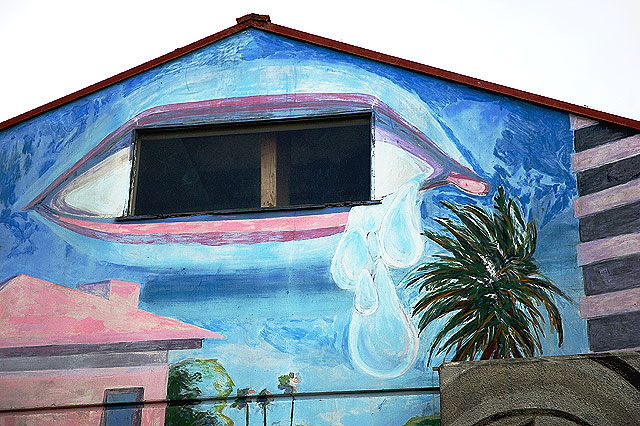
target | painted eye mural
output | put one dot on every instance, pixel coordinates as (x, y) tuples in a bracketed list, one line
[(292, 215), (362, 234), (93, 198)]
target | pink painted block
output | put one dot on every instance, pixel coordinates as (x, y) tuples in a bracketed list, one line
[(605, 154), (608, 248), (82, 386), (54, 417), (607, 199), (70, 388), (617, 302)]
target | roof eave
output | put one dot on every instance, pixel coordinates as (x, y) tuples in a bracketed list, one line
[(111, 347), (262, 22)]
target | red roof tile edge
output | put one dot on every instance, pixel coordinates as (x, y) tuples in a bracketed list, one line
[(263, 22)]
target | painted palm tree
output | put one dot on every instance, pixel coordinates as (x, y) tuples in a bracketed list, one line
[(487, 289), (264, 399), (242, 401), (288, 383)]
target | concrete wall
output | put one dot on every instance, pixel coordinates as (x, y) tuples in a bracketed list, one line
[(593, 389)]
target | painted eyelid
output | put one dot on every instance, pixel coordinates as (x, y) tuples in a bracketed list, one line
[(214, 111), (102, 191), (75, 193)]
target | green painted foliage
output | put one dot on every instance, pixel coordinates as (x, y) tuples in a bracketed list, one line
[(487, 287), (423, 421), (193, 379)]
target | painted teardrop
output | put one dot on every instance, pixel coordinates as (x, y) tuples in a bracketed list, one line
[(383, 343)]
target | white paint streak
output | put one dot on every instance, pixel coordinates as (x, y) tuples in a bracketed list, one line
[(102, 190), (393, 165)]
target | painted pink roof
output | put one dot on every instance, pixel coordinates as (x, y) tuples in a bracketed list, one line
[(35, 312)]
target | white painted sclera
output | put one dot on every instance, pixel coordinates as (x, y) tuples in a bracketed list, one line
[(101, 191), (393, 165)]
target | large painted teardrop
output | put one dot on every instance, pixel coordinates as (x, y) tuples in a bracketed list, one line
[(383, 343)]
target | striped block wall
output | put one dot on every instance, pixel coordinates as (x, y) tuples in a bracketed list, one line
[(607, 167)]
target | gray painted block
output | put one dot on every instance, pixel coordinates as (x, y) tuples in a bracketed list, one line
[(600, 134), (612, 275), (614, 332), (609, 175), (591, 389), (617, 221)]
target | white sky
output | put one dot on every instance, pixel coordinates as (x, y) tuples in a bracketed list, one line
[(581, 51)]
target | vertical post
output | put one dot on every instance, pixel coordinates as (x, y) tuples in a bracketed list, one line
[(283, 173), (268, 170)]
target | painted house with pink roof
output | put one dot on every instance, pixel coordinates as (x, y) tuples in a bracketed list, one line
[(82, 348)]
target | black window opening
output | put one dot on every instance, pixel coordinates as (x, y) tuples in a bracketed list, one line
[(252, 166)]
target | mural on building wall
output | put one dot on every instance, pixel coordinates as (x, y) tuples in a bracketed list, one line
[(283, 302)]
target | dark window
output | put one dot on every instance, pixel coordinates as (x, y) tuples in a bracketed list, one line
[(122, 407), (202, 169)]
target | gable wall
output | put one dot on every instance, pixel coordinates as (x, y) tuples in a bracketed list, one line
[(277, 302)]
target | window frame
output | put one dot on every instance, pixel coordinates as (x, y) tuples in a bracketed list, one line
[(136, 406), (249, 126)]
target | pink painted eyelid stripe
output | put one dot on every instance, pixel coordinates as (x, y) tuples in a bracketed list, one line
[(211, 238), (300, 223), (259, 100), (205, 238)]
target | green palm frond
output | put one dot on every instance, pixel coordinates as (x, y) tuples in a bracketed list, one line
[(487, 287)]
